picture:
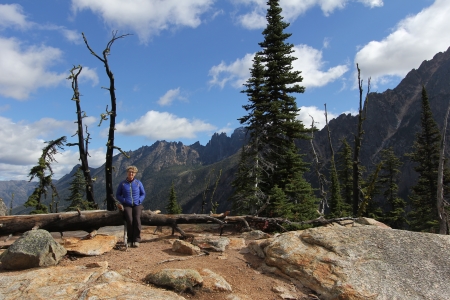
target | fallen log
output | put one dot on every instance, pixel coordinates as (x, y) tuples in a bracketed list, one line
[(91, 220)]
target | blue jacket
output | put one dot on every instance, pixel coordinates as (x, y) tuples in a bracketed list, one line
[(130, 193)]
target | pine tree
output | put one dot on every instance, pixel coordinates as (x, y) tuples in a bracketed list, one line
[(77, 193), (395, 215), (273, 124), (424, 214), (43, 172), (370, 188), (338, 206), (345, 173), (248, 196), (173, 208)]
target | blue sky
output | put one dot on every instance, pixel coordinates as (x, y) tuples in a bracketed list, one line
[(180, 72)]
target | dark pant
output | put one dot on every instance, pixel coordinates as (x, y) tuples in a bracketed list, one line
[(133, 218)]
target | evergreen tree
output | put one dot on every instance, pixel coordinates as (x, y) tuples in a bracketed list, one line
[(338, 206), (77, 193), (424, 215), (395, 213), (43, 172), (273, 124), (369, 207), (345, 173), (173, 208)]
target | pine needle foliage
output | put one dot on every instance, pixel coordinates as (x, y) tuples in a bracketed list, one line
[(345, 174), (270, 163), (77, 195), (43, 172), (395, 215), (173, 207), (424, 215)]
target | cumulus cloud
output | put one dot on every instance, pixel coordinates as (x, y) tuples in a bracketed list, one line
[(309, 62), (22, 145), (170, 96), (156, 125), (146, 17), (237, 72), (88, 74), (414, 38), (306, 112), (292, 9), (26, 69), (11, 15)]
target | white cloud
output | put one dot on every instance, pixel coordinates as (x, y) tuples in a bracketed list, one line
[(22, 145), (413, 39), (11, 15), (309, 62), (237, 72), (146, 17), (227, 129), (88, 74), (72, 35), (169, 97), (163, 126), (25, 70), (292, 9), (306, 112)]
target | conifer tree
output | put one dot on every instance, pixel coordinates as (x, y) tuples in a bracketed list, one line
[(77, 193), (345, 173), (424, 215), (43, 172), (272, 120), (337, 206), (395, 215), (173, 208), (248, 195), (370, 188)]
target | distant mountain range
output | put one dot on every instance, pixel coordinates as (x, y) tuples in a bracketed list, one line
[(393, 119)]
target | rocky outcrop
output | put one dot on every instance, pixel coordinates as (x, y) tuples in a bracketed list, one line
[(364, 262), (35, 248), (93, 281)]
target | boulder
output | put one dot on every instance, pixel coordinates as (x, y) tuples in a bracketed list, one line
[(255, 235), (181, 280), (97, 245), (364, 262), (213, 282), (35, 248), (184, 247), (93, 281), (212, 243)]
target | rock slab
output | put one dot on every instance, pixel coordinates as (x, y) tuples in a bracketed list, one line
[(88, 282), (365, 262)]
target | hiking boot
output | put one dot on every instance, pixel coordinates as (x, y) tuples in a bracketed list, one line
[(136, 244)]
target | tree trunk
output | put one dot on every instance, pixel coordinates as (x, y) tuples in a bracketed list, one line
[(93, 219)]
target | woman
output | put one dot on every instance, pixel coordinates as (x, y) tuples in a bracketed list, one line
[(130, 193)]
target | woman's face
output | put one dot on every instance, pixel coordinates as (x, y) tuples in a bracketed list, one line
[(130, 175)]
